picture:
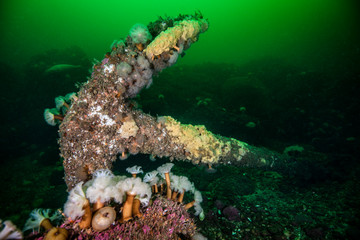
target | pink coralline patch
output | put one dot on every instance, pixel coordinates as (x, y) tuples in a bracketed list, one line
[(146, 229), (105, 61)]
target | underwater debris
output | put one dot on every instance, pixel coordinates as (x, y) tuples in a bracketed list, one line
[(102, 122)]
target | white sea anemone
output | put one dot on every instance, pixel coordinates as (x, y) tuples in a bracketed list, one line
[(143, 62), (51, 116), (60, 102), (73, 207), (151, 177), (116, 193), (123, 69), (135, 186), (134, 170), (99, 189), (37, 216), (181, 184), (165, 168), (71, 97), (173, 58), (198, 199), (140, 33)]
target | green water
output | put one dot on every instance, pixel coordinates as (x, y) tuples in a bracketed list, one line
[(305, 32)]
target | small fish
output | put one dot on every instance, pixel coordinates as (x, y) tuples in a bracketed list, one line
[(61, 68)]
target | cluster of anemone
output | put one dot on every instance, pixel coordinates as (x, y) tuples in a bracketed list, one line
[(107, 200), (53, 116), (134, 73), (92, 202), (177, 186), (126, 64), (129, 65)]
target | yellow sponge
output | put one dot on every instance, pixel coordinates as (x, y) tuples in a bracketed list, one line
[(182, 31)]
